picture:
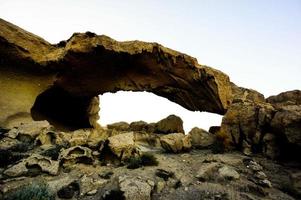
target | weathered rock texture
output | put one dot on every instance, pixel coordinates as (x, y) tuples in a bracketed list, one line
[(61, 82), (271, 126)]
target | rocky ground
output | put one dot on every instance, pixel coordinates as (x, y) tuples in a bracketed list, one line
[(133, 161), (51, 146)]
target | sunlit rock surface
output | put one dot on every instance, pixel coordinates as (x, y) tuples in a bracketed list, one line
[(68, 76)]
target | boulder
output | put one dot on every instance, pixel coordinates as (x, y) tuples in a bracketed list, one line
[(46, 138), (119, 126), (135, 188), (123, 145), (170, 124), (285, 99), (287, 121), (76, 154), (271, 127), (207, 171), (186, 143), (79, 137), (141, 126), (96, 138), (44, 164), (175, 142), (29, 130), (7, 143), (228, 173), (201, 138), (147, 141), (244, 125), (90, 184), (92, 137)]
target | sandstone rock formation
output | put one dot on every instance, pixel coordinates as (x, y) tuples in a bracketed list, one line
[(24, 167), (123, 145), (69, 76), (81, 160), (81, 172), (175, 142), (171, 124), (201, 138), (271, 126), (76, 154)]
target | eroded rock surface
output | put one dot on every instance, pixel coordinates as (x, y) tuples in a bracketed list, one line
[(175, 142), (66, 77), (201, 138), (270, 127), (43, 164), (170, 124)]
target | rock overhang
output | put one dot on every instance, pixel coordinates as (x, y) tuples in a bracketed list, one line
[(87, 65)]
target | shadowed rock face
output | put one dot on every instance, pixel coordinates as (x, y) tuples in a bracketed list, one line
[(86, 65)]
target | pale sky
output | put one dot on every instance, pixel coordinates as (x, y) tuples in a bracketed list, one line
[(256, 42)]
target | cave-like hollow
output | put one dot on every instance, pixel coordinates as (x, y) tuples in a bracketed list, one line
[(61, 109)]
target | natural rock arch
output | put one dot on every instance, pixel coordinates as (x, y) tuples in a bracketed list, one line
[(86, 65)]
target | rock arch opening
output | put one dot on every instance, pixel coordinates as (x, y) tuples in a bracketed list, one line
[(135, 106), (61, 109)]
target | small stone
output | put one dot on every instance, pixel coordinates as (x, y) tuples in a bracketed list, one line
[(164, 174), (160, 186), (265, 183), (206, 171), (95, 153), (151, 183), (255, 166), (92, 192), (228, 173), (260, 175), (106, 175), (246, 148)]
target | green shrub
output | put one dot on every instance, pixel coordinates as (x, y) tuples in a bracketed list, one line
[(134, 162), (146, 159), (149, 159), (35, 191)]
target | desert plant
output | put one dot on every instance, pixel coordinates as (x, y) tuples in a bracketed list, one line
[(149, 159), (35, 191), (134, 162)]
